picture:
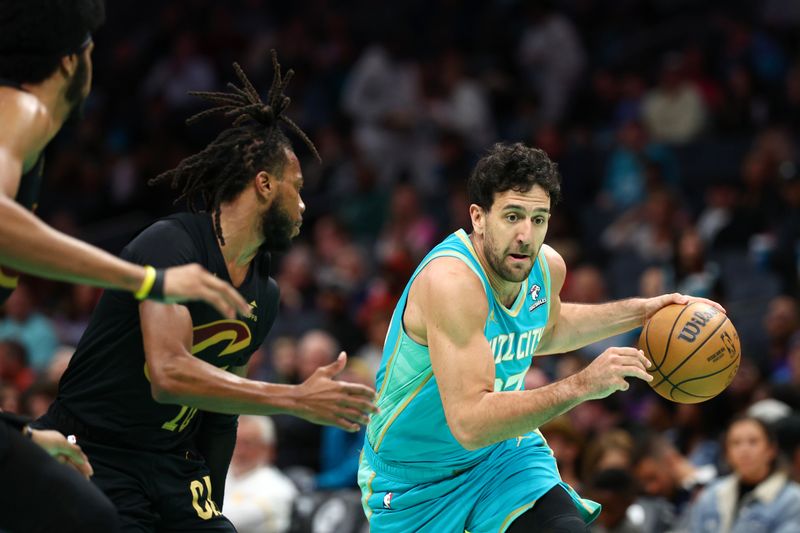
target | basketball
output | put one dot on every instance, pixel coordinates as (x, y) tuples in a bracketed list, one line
[(694, 349)]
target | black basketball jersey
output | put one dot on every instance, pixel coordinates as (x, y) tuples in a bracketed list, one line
[(27, 196), (106, 386)]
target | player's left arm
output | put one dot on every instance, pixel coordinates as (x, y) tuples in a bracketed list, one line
[(571, 326)]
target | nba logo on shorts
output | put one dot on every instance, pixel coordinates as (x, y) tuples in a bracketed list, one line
[(387, 500)]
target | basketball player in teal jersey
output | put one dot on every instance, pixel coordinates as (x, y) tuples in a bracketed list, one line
[(455, 446)]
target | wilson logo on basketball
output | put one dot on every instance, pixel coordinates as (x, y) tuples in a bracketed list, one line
[(695, 324)]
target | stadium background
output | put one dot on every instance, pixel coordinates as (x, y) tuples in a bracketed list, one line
[(674, 124)]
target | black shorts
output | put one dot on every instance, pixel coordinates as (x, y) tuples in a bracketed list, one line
[(153, 491)]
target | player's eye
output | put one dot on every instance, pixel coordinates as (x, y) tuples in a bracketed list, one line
[(512, 217), (539, 221)]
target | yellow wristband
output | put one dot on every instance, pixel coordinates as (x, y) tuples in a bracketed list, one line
[(147, 284)]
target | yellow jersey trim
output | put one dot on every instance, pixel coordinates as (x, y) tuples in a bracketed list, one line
[(515, 514), (400, 410)]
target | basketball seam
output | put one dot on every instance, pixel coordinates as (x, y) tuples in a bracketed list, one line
[(647, 343), (694, 351), (676, 387), (707, 375), (669, 339)]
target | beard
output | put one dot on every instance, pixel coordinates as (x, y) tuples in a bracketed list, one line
[(76, 98), (277, 227), (498, 262)]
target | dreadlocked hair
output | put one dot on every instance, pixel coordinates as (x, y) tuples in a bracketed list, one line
[(254, 143)]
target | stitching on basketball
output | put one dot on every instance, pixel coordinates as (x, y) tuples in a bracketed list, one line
[(647, 343), (671, 331), (695, 350), (707, 375)]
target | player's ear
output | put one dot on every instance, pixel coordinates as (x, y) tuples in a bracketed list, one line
[(265, 184), (478, 217), (68, 65)]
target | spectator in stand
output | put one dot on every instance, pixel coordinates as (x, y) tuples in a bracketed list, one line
[(650, 231), (552, 56), (786, 259), (71, 323), (29, 327), (340, 450), (14, 368), (462, 105), (781, 322), (38, 398), (284, 361), (787, 431), (315, 349), (692, 272), (382, 95), (673, 112), (662, 472), (610, 450), (636, 165), (408, 227), (58, 364), (567, 445), (184, 70), (9, 397), (258, 497), (623, 512), (757, 496)]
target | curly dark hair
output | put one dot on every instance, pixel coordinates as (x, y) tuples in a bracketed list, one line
[(36, 34), (255, 142), (512, 167)]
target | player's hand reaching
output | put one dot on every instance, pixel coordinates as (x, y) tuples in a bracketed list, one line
[(606, 374), (64, 451), (345, 405), (193, 282), (652, 305)]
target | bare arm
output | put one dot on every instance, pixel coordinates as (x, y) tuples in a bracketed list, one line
[(177, 377), (29, 245), (572, 326), (455, 309)]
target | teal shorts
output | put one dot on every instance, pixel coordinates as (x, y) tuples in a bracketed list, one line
[(484, 498)]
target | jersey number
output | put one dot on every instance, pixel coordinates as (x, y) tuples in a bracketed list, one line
[(201, 499), (514, 382), (189, 413), (184, 416)]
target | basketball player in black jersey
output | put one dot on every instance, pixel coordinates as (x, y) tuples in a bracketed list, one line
[(153, 390), (45, 74)]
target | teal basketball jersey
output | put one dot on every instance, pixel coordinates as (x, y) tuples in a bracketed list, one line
[(411, 429)]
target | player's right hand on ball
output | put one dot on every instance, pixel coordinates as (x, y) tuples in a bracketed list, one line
[(606, 374), (193, 282), (335, 403)]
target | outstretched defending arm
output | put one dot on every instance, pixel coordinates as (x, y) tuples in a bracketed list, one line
[(177, 377), (454, 308)]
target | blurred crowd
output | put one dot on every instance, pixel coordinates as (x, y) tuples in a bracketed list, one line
[(675, 127)]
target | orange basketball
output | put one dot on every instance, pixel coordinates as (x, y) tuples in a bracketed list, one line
[(694, 349)]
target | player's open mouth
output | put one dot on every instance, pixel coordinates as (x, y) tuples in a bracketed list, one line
[(519, 257)]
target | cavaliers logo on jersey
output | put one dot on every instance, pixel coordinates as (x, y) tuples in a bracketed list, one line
[(234, 332)]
